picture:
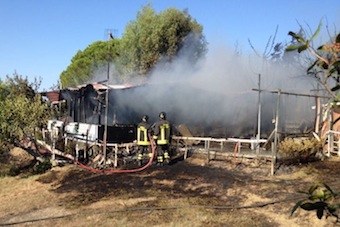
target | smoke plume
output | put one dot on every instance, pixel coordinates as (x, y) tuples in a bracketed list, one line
[(216, 95)]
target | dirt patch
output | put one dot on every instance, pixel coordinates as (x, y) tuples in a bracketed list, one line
[(189, 192)]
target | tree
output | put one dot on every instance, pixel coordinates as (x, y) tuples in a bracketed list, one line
[(85, 63), (149, 39), (22, 110), (17, 85), (326, 66), (160, 37)]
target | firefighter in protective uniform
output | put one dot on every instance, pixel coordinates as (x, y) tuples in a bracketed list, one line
[(161, 135), (143, 142)]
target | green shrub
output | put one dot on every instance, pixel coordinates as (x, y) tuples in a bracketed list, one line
[(42, 167), (13, 171)]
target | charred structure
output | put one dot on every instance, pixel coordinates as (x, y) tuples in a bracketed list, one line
[(208, 117), (206, 113)]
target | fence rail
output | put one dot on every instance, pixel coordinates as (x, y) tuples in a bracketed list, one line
[(254, 144)]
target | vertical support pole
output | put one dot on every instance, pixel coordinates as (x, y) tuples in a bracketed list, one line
[(207, 148), (65, 141), (53, 147), (258, 120), (276, 125), (272, 169), (77, 151), (186, 151), (331, 133), (329, 143), (338, 146), (318, 115), (107, 95), (116, 155), (43, 131)]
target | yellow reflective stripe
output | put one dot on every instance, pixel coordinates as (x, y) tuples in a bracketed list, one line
[(143, 143), (166, 155), (142, 136), (164, 134)]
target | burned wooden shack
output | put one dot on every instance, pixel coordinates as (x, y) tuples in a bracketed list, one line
[(205, 112)]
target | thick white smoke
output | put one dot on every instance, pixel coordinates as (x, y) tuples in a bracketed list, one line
[(217, 94)]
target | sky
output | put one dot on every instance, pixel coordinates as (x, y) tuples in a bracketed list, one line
[(39, 37)]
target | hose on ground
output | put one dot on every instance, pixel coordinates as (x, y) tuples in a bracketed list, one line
[(109, 171)]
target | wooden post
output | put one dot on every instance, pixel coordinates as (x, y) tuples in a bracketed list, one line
[(258, 136), (328, 143), (277, 122), (272, 170), (77, 151), (186, 151), (318, 115), (338, 146), (116, 155), (207, 148)]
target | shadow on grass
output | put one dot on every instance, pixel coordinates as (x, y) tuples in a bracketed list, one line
[(180, 179)]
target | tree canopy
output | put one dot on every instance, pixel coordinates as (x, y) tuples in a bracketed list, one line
[(22, 110), (154, 37), (148, 40), (85, 63)]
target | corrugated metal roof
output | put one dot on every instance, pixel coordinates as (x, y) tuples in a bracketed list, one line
[(103, 86), (54, 96)]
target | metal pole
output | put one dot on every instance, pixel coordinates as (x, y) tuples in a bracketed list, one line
[(106, 99), (272, 168), (258, 119), (276, 125)]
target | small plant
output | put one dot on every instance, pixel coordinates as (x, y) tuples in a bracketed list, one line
[(320, 197), (42, 167), (13, 171)]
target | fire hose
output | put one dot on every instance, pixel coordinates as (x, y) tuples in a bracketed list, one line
[(108, 171)]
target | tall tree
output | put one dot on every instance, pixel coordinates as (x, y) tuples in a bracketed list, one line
[(85, 63), (149, 39), (153, 37)]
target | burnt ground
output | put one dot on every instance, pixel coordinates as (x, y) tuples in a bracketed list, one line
[(219, 193)]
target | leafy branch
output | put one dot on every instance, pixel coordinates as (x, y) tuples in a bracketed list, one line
[(319, 197), (326, 67)]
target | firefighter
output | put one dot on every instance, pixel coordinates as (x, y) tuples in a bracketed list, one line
[(161, 135), (143, 142)]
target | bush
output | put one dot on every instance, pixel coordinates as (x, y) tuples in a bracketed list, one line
[(300, 149), (13, 171), (23, 111), (42, 167), (8, 169)]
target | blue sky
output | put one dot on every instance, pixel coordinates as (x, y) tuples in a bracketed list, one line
[(39, 37)]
